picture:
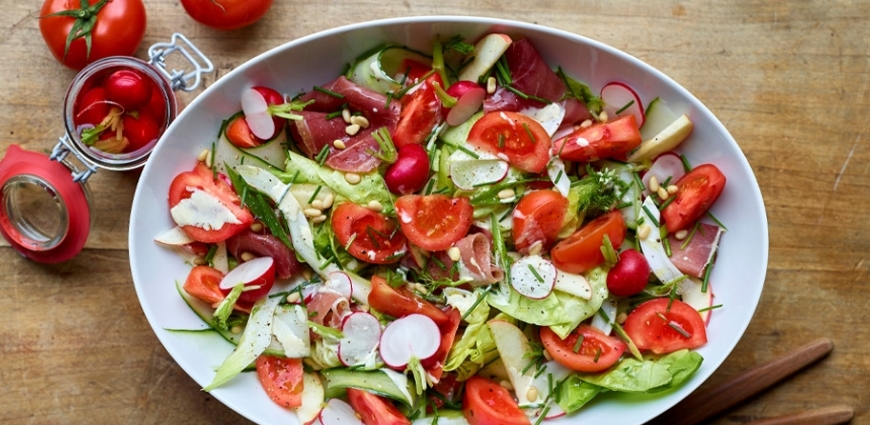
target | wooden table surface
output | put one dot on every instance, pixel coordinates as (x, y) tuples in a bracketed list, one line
[(789, 79)]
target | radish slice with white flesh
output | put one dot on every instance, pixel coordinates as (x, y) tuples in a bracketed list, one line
[(698, 299), (469, 98), (312, 398), (468, 172), (668, 165), (251, 272), (533, 276), (622, 98), (652, 247), (256, 111), (361, 333), (340, 283), (414, 335), (338, 412)]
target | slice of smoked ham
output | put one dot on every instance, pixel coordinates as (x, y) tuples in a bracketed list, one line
[(476, 254), (530, 75), (327, 308), (314, 131), (692, 259)]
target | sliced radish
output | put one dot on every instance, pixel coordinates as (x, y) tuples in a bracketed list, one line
[(340, 283), (620, 97), (574, 284), (361, 333), (174, 237), (469, 98), (468, 172), (257, 114), (666, 165), (312, 398), (533, 276), (414, 336), (254, 272), (337, 412)]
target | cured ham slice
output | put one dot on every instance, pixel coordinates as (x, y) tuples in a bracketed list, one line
[(476, 254), (328, 308), (693, 259), (371, 104), (530, 75)]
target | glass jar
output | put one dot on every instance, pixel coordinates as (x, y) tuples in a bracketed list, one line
[(44, 200)]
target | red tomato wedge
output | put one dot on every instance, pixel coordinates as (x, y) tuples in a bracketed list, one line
[(203, 283), (595, 353), (519, 137), (202, 178), (421, 112), (375, 238), (239, 133), (582, 250), (655, 327), (374, 410), (608, 140), (282, 379), (434, 222), (696, 192), (400, 302), (488, 403), (538, 217)]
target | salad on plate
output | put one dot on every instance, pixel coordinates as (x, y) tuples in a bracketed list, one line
[(466, 235)]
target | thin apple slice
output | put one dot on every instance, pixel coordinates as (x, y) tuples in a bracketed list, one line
[(666, 141), (574, 284), (698, 299), (487, 51), (312, 398)]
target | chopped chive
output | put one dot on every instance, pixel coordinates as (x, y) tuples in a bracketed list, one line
[(640, 220), (624, 107), (578, 344), (651, 217), (638, 180), (543, 415), (667, 202), (705, 283), (321, 156), (350, 242), (716, 220), (558, 177), (314, 195), (389, 100), (509, 211), (244, 196), (332, 115), (686, 166), (604, 316), (476, 302), (326, 263), (212, 250), (665, 183), (500, 140), (597, 355), (623, 205), (528, 365), (438, 262), (328, 92), (675, 326), (529, 132), (515, 91), (443, 190), (692, 233), (535, 272), (429, 187), (712, 307), (286, 191), (468, 151), (370, 232), (540, 371), (213, 165), (663, 235)]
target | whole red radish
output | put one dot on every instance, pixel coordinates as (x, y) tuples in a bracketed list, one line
[(410, 171), (630, 274)]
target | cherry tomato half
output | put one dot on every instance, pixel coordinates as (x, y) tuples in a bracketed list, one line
[(606, 140), (91, 108), (239, 133), (400, 302), (374, 410), (596, 352), (488, 403), (117, 30), (655, 327), (522, 139), (421, 112), (696, 193), (226, 14), (434, 222), (282, 379), (140, 129), (376, 238), (538, 217), (203, 283), (202, 178), (582, 250)]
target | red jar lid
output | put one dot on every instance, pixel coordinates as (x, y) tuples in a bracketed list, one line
[(43, 213)]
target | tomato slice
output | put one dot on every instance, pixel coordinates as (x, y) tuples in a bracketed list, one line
[(596, 352), (240, 134), (605, 140), (202, 178), (582, 250), (696, 192), (488, 403), (434, 222), (421, 112), (203, 283), (538, 217), (400, 302), (368, 235), (282, 379), (448, 334), (655, 327), (374, 410), (519, 137)]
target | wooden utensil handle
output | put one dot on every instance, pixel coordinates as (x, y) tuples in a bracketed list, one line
[(830, 415), (709, 402)]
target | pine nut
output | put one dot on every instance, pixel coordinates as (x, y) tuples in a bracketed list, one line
[(352, 178), (506, 384), (236, 329), (328, 200), (643, 232), (199, 261), (203, 155), (672, 189), (663, 193), (680, 235), (548, 356), (317, 203), (490, 85), (506, 194), (319, 219), (454, 254), (586, 124), (621, 317), (339, 144), (293, 297), (375, 206), (307, 274), (257, 227), (532, 393), (352, 129), (247, 256), (603, 116), (345, 115), (654, 184), (312, 212), (536, 248), (359, 120)]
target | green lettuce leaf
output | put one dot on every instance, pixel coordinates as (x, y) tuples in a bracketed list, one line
[(647, 376), (476, 347), (574, 393)]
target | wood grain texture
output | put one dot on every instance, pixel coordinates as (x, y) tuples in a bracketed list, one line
[(788, 78)]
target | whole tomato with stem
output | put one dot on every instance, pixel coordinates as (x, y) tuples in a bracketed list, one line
[(80, 32), (226, 14)]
